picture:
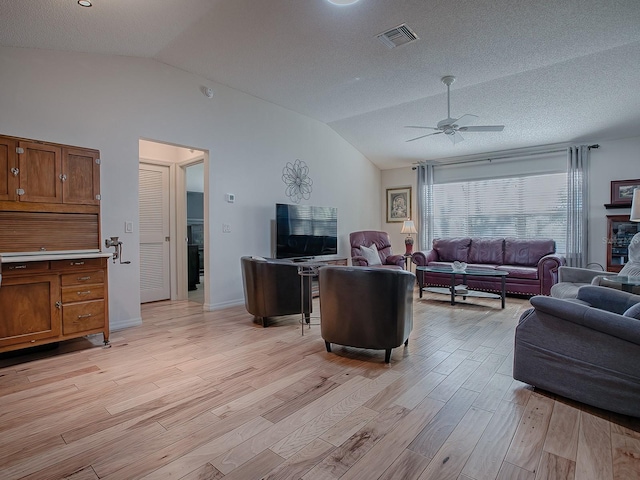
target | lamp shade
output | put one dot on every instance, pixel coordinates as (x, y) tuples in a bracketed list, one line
[(635, 206), (409, 227)]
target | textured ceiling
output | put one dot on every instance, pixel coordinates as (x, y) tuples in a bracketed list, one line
[(551, 71)]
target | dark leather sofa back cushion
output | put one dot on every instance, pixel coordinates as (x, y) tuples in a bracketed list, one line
[(452, 249), (487, 250), (527, 251)]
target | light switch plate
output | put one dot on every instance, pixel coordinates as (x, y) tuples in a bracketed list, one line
[(128, 227)]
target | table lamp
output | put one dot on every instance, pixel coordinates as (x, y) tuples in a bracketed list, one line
[(409, 227), (634, 216)]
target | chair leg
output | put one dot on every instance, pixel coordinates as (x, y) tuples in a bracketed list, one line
[(265, 322), (328, 345), (406, 342), (307, 317), (387, 355)]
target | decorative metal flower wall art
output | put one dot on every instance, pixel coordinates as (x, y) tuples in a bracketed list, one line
[(299, 185)]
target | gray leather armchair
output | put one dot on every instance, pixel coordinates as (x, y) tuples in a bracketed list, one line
[(586, 349), (273, 288), (366, 307)]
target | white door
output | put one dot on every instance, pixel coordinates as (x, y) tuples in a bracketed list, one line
[(154, 233)]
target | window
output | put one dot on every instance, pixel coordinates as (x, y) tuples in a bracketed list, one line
[(521, 207)]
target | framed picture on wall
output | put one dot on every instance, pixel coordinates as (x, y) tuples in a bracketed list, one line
[(398, 204), (622, 191)]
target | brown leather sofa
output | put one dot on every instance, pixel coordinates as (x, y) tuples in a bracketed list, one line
[(366, 307), (532, 263), (273, 288)]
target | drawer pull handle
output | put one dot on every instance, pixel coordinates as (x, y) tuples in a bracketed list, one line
[(82, 279), (86, 315), (88, 292), (77, 263), (18, 267)]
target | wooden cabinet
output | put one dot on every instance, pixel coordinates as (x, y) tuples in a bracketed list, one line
[(81, 176), (28, 311), (8, 169), (620, 232), (49, 301), (41, 172)]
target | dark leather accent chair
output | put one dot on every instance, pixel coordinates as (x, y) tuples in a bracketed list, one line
[(273, 288), (383, 244), (366, 307)]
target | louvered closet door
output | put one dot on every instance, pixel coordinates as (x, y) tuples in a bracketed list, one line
[(154, 233)]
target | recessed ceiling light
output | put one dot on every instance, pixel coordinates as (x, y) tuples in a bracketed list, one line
[(84, 3), (343, 2)]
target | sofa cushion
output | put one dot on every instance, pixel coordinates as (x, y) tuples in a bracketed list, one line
[(451, 249), (486, 250), (633, 311), (371, 254), (519, 271), (527, 251)]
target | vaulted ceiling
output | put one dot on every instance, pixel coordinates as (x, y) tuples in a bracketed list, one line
[(551, 71)]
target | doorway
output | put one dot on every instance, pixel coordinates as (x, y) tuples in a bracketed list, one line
[(194, 174), (166, 243)]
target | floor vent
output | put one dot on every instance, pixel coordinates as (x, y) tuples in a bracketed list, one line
[(397, 36)]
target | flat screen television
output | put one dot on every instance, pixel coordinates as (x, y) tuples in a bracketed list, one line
[(306, 231)]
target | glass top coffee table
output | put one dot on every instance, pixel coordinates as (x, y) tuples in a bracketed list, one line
[(461, 290), (626, 283)]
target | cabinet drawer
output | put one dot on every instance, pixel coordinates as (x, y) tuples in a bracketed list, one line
[(82, 293), (80, 317), (25, 267), (82, 278), (76, 264)]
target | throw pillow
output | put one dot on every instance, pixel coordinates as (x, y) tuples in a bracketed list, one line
[(371, 254), (633, 312)]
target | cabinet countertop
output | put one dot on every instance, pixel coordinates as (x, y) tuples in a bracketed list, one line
[(38, 257)]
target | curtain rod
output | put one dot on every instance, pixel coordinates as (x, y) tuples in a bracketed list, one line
[(488, 158)]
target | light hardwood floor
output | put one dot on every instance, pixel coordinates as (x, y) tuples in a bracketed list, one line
[(207, 395)]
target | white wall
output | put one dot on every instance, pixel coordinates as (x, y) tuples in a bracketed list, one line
[(614, 160), (110, 102)]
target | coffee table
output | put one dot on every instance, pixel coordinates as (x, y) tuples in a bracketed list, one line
[(626, 283), (464, 293)]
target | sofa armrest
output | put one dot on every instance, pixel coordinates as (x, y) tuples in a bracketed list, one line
[(359, 261), (580, 275), (609, 323), (606, 298), (422, 258), (548, 271), (395, 260)]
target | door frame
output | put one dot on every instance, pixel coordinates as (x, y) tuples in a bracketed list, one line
[(181, 225)]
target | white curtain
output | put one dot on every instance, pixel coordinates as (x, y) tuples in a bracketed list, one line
[(425, 206), (577, 205)]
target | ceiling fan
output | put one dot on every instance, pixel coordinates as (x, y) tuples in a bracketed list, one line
[(452, 127)]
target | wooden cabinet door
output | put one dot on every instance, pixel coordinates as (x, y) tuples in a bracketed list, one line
[(28, 311), (40, 170), (8, 169), (81, 173)]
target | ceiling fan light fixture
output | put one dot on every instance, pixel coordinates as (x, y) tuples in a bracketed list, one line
[(84, 3)]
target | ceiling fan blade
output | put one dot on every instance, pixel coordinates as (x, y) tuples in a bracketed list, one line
[(482, 128), (416, 126), (464, 120), (455, 137), (422, 136)]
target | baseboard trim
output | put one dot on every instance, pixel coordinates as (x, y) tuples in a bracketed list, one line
[(210, 307)]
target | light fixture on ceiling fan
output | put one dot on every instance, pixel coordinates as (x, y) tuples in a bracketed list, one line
[(452, 127)]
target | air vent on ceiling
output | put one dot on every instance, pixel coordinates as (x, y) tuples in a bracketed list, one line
[(397, 36)]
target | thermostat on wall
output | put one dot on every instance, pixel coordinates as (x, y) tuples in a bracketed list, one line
[(230, 197)]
